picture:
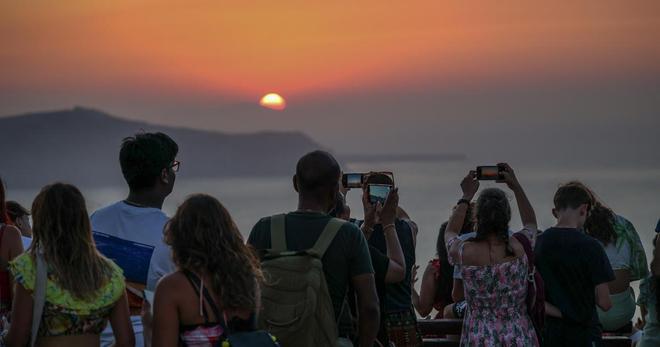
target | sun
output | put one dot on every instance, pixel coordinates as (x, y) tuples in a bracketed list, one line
[(273, 101)]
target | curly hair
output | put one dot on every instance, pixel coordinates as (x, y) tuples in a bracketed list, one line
[(205, 240), (493, 214), (62, 231), (601, 219)]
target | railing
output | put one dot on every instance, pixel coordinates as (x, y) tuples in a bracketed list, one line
[(445, 333)]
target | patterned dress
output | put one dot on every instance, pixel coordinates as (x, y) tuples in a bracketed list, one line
[(496, 308)]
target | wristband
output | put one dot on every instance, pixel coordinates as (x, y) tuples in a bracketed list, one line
[(463, 201), (389, 225)]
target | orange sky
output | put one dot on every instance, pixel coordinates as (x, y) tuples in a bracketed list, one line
[(242, 49)]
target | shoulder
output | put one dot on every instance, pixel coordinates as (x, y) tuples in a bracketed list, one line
[(23, 270), (11, 232), (109, 209), (171, 284), (259, 233)]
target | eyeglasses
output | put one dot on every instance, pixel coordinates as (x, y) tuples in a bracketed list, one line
[(175, 166)]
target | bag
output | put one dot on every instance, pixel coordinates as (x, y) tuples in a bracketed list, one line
[(234, 339), (296, 304), (535, 287)]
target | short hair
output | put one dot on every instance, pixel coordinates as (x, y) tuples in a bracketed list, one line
[(317, 171), (572, 195), (379, 178), (144, 156)]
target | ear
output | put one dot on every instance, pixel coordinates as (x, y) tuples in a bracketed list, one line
[(165, 176), (583, 210), (295, 184), (554, 213)]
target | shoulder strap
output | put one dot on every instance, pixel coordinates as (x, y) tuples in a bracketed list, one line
[(39, 295), (195, 283), (278, 233), (327, 236)]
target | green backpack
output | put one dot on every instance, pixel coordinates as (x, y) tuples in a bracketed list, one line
[(295, 303)]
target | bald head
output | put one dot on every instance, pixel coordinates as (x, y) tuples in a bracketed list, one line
[(317, 173)]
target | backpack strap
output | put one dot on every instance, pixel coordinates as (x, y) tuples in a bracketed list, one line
[(327, 236), (278, 233)]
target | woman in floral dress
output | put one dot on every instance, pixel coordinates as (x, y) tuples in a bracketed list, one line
[(493, 265)]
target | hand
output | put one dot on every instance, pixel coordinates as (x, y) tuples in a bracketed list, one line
[(371, 211), (389, 210), (640, 324), (470, 185), (414, 275), (509, 176)]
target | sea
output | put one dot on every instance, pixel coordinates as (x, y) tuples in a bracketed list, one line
[(428, 190)]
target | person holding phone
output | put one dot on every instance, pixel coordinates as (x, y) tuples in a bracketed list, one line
[(399, 317), (494, 265)]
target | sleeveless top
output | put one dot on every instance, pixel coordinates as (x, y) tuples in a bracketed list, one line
[(5, 291), (209, 334), (64, 314)]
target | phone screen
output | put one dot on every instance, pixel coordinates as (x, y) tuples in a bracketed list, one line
[(379, 193), (488, 172)]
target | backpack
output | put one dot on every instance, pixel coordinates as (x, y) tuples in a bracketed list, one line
[(535, 287), (295, 302)]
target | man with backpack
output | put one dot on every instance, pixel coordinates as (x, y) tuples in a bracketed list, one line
[(309, 259)]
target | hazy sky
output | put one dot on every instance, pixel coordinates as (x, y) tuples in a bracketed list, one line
[(563, 77)]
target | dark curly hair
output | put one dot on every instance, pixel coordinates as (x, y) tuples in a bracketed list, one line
[(493, 216), (205, 240)]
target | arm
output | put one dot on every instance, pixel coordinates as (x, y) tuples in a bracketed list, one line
[(427, 292), (527, 215), (368, 311), (12, 246), (469, 185), (603, 297), (21, 318), (552, 310), (121, 323), (166, 315), (457, 293), (396, 270)]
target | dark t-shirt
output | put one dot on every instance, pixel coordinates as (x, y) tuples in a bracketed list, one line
[(398, 295), (572, 265), (346, 257)]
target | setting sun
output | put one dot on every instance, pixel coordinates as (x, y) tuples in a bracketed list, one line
[(273, 101)]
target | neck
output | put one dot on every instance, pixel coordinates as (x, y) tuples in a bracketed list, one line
[(567, 222), (146, 199), (310, 205)]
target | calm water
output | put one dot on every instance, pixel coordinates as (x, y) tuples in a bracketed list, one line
[(428, 191)]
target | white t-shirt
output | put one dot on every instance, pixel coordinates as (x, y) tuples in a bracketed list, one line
[(130, 235)]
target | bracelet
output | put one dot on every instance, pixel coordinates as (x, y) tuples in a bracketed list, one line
[(389, 225), (463, 201)]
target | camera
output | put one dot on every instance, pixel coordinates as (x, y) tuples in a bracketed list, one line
[(490, 173), (352, 180)]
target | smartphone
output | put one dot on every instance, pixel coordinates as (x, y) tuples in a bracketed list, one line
[(352, 180), (378, 192), (490, 173)]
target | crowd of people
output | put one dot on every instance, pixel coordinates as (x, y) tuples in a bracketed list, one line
[(129, 275)]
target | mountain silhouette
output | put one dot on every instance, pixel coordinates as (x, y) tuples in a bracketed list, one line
[(81, 146)]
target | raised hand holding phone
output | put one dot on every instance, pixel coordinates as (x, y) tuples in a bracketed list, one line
[(470, 185)]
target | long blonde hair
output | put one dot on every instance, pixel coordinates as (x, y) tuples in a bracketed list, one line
[(62, 231)]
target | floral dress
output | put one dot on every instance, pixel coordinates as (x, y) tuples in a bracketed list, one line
[(496, 308)]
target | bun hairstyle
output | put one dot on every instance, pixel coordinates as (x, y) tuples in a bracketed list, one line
[(601, 219), (493, 214)]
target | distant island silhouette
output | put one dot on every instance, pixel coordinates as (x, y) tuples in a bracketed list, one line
[(81, 146)]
